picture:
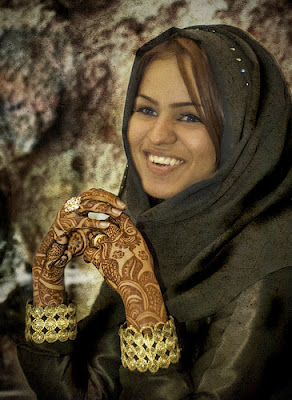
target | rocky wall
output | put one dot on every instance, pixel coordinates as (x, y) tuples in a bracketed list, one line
[(64, 67)]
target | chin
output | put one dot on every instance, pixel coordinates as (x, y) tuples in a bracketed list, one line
[(160, 194)]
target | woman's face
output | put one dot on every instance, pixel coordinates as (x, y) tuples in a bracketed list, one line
[(170, 146)]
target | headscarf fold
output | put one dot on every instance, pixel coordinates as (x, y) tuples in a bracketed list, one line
[(221, 235)]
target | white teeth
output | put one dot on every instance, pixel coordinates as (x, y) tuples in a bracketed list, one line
[(164, 160)]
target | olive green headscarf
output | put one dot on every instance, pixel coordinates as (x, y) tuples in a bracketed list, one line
[(221, 235)]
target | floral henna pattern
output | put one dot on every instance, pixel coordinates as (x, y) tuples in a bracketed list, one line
[(68, 237), (124, 260), (143, 255), (118, 254)]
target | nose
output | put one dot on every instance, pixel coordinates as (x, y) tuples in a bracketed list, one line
[(162, 131)]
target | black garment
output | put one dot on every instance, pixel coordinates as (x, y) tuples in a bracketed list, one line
[(240, 352), (222, 251)]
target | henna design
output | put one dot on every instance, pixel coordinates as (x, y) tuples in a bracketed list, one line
[(124, 260), (67, 238), (142, 254), (48, 282), (118, 254), (77, 243)]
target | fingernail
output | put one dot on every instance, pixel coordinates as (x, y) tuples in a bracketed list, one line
[(121, 204), (104, 224), (116, 212), (98, 216)]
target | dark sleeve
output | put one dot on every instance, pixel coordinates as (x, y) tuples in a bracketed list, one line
[(243, 355), (13, 383), (87, 368), (246, 351), (170, 384)]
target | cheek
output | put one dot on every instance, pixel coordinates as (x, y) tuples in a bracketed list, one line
[(201, 147), (134, 134)]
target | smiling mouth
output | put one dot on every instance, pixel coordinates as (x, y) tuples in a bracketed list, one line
[(164, 161)]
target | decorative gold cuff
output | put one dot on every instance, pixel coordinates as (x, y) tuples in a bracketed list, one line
[(50, 323), (156, 348)]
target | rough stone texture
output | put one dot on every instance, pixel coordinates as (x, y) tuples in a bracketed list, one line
[(64, 70)]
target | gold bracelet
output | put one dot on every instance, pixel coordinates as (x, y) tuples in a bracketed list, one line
[(156, 348), (50, 323)]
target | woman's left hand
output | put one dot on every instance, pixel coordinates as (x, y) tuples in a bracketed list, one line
[(66, 239), (123, 258)]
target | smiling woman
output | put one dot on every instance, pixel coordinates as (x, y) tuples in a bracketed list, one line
[(196, 257), (196, 72), (170, 146)]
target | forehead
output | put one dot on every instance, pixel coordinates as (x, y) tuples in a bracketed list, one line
[(161, 74), (163, 81)]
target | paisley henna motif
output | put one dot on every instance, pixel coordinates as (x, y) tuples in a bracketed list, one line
[(67, 238), (124, 260)]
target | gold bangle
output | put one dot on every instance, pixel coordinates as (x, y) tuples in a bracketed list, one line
[(50, 323), (156, 348)]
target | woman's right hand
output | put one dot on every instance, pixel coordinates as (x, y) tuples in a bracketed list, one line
[(67, 238)]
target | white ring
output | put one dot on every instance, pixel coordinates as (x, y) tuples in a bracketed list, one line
[(72, 204)]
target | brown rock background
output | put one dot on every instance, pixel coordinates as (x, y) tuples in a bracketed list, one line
[(64, 67)]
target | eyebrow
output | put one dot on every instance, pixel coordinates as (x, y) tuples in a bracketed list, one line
[(172, 105)]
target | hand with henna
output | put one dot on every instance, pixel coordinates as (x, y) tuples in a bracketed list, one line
[(123, 258), (68, 237)]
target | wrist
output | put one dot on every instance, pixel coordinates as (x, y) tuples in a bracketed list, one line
[(50, 298), (48, 292), (147, 318), (140, 317)]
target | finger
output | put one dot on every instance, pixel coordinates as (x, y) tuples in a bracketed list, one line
[(63, 260), (78, 242), (104, 196), (91, 205), (86, 257), (65, 225), (70, 205), (90, 255), (95, 239), (109, 234), (113, 231), (123, 222), (92, 201), (89, 223)]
